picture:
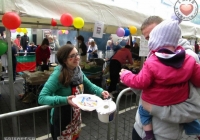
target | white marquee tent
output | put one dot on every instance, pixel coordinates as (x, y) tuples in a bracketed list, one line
[(38, 14)]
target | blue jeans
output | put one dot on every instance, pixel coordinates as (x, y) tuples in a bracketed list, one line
[(192, 128)]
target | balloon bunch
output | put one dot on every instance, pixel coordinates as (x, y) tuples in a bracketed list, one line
[(67, 20), (63, 32), (121, 32), (21, 30)]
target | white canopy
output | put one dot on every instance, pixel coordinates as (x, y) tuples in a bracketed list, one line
[(38, 14)]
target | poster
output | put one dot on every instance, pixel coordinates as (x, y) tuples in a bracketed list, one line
[(98, 29), (144, 50), (34, 31)]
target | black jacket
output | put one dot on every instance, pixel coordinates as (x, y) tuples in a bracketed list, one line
[(84, 48), (24, 41)]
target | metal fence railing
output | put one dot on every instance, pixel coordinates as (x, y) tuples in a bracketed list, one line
[(38, 123)]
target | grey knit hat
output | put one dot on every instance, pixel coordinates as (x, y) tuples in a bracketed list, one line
[(167, 33)]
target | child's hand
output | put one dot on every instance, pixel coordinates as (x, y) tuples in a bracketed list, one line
[(122, 70), (120, 74)]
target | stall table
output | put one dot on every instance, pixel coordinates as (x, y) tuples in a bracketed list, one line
[(33, 81)]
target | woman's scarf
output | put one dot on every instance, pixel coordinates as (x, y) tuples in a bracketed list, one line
[(77, 78)]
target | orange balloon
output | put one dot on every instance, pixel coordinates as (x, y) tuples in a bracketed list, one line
[(19, 30)]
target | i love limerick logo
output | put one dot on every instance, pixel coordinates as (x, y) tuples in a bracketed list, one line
[(186, 9)]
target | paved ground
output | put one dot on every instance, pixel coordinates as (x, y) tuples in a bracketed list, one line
[(92, 128)]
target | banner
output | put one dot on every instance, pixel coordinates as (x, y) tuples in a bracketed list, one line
[(26, 63), (98, 29), (144, 50)]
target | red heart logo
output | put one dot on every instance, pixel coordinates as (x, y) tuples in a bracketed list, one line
[(186, 9), (53, 22)]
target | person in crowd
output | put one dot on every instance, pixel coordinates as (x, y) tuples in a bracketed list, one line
[(166, 119), (63, 85), (24, 41), (83, 47), (31, 48), (1, 74), (4, 35), (17, 42), (135, 51), (109, 45), (167, 90), (118, 59), (116, 47), (57, 44), (14, 59), (68, 42), (89, 41), (51, 43), (92, 50), (123, 42), (43, 53), (196, 46)]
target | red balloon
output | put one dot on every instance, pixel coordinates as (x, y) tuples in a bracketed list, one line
[(66, 19), (53, 22), (11, 20)]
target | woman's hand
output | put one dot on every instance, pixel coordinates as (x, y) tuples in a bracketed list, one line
[(70, 102), (147, 106), (105, 94)]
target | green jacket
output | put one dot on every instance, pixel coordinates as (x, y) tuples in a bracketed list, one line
[(54, 93)]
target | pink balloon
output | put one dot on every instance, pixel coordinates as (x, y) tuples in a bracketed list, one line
[(66, 32), (13, 31), (60, 32), (120, 32)]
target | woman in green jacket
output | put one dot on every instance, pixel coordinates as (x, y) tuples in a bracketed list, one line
[(65, 82)]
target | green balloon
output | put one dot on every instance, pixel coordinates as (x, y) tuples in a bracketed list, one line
[(3, 47)]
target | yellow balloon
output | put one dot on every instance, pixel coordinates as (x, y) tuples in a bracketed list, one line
[(63, 31), (19, 30), (133, 29), (78, 22), (24, 30)]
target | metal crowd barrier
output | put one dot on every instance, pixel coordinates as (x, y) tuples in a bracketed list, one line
[(92, 128), (125, 118)]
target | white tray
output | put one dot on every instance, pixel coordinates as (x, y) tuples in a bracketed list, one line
[(87, 102)]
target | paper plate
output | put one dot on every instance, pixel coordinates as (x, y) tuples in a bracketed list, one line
[(54, 64), (87, 102)]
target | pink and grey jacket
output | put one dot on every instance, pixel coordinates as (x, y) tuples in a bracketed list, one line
[(165, 77)]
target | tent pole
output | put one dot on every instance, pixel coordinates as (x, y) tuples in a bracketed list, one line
[(11, 87)]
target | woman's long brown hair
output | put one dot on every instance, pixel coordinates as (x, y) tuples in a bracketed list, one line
[(62, 55)]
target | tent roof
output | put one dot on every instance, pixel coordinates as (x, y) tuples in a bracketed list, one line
[(38, 14)]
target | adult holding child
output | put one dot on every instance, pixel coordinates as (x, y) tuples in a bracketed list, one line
[(167, 120)]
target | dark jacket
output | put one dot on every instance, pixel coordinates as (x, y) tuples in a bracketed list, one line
[(31, 49), (83, 48), (24, 41)]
